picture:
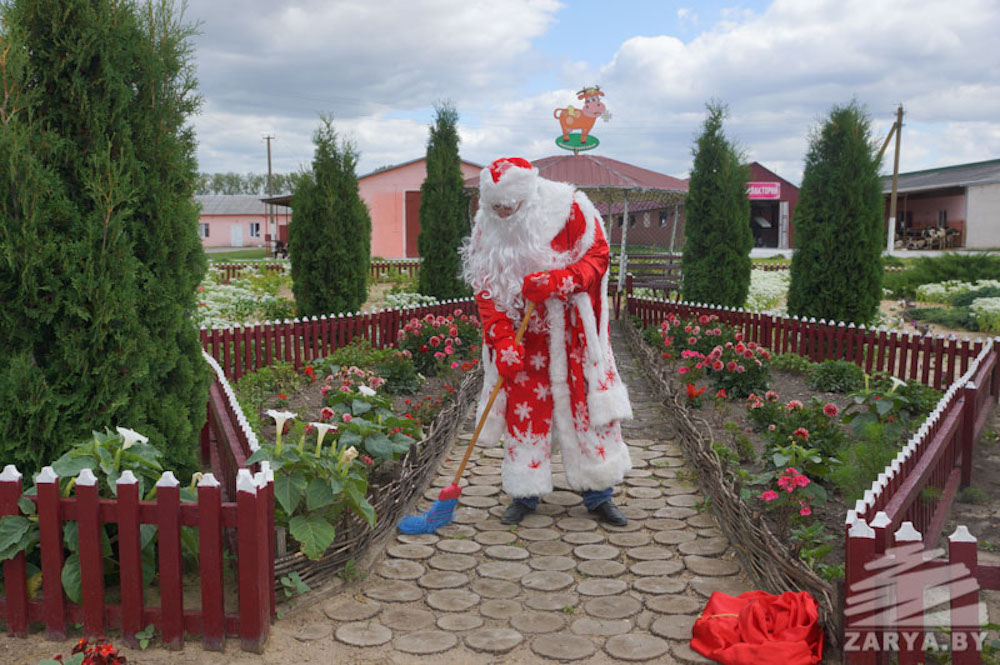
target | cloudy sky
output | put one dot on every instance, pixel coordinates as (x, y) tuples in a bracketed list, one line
[(379, 66)]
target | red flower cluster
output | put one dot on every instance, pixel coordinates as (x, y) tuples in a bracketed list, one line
[(100, 652), (790, 481)]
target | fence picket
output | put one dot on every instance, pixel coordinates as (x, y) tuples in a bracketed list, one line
[(169, 549), (15, 569), (130, 557), (51, 543), (90, 531), (213, 618)]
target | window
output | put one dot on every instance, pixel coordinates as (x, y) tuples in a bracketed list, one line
[(631, 221), (618, 219), (942, 218), (202, 230), (254, 229), (663, 218)]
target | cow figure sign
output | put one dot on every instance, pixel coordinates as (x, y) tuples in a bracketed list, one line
[(572, 119)]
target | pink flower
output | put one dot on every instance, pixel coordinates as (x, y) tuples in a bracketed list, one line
[(731, 365), (831, 410), (692, 340), (326, 413), (324, 390), (771, 427), (786, 483), (769, 495), (805, 512), (448, 350), (454, 365), (717, 331), (347, 417), (771, 396), (802, 432), (748, 354), (739, 348), (718, 365), (801, 480), (683, 370), (794, 404), (740, 369), (438, 354), (435, 341), (345, 389), (739, 337)]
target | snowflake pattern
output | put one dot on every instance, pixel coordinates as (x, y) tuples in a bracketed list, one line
[(542, 391), (523, 410), (541, 279), (567, 286), (528, 436), (534, 464), (576, 355), (510, 356), (581, 421), (521, 378), (538, 361)]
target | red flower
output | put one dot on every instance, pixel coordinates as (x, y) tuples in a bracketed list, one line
[(831, 410), (693, 392), (802, 432), (326, 414), (805, 512), (423, 348), (282, 396), (721, 394), (717, 365), (769, 495)]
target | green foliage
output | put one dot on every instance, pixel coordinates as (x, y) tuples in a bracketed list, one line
[(837, 267), (98, 229), (836, 376), (259, 388), (742, 443), (145, 636), (930, 270), (793, 362), (951, 317), (444, 211), (717, 237), (966, 299), (329, 241), (974, 495), (813, 545), (390, 364), (368, 423), (246, 183)]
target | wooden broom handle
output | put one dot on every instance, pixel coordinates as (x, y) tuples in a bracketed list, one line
[(489, 404)]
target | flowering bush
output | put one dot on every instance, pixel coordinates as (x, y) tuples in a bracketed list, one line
[(101, 652), (986, 312), (405, 300), (434, 342), (943, 292), (700, 335), (738, 368), (767, 289), (803, 435), (251, 298), (791, 499)]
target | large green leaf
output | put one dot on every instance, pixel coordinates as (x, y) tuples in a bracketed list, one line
[(71, 536), (261, 454), (359, 407), (288, 491), (69, 465), (14, 530), (379, 445), (314, 533), (348, 439), (318, 494), (146, 534), (71, 577), (359, 504)]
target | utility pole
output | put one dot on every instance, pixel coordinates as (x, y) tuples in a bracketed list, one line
[(270, 192), (897, 129)]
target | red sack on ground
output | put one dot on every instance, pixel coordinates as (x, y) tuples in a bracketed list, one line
[(758, 628)]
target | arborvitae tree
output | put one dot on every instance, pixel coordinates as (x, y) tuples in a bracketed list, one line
[(330, 237), (99, 252), (837, 269), (444, 209), (717, 237)]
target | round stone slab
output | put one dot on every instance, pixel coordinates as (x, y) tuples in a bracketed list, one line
[(644, 492), (394, 592), (658, 585), (495, 537), (637, 647), (601, 587), (480, 490), (456, 531), (503, 570), (500, 608), (452, 600), (558, 563), (536, 521), (732, 586), (488, 588), (563, 647), (705, 546), (494, 640), (562, 498), (507, 553), (634, 539), (349, 609), (550, 548), (410, 551), (633, 525), (601, 627), (459, 546), (673, 604), (400, 569), (576, 524), (674, 626), (645, 504), (675, 513), (425, 642), (552, 602), (407, 618), (634, 513), (538, 534), (684, 500), (466, 515), (657, 568), (649, 553), (363, 634), (583, 537), (674, 537), (596, 552), (602, 568), (312, 632), (443, 580), (459, 622), (452, 562), (685, 654), (702, 521), (546, 580), (700, 565), (612, 607), (418, 538), (664, 524), (537, 622), (477, 501)]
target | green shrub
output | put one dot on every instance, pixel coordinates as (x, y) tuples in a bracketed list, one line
[(836, 376), (966, 299), (400, 375), (950, 317), (950, 266), (793, 362), (390, 364), (863, 459), (974, 495)]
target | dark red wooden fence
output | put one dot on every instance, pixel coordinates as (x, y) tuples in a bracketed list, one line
[(247, 349), (248, 520)]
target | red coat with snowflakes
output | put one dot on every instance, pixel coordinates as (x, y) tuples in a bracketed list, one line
[(569, 397)]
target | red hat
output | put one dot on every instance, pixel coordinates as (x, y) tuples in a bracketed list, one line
[(507, 181)]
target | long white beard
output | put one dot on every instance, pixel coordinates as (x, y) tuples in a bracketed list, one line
[(499, 253)]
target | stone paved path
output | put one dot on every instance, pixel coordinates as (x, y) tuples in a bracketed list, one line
[(560, 586)]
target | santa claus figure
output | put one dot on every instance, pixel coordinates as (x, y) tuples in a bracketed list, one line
[(541, 241)]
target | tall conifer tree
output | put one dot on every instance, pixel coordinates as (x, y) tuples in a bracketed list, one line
[(717, 237), (99, 252), (444, 220), (837, 267), (329, 239)]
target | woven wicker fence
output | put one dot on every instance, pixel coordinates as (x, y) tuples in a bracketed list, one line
[(764, 557)]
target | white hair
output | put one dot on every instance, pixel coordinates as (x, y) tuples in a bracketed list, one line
[(500, 252)]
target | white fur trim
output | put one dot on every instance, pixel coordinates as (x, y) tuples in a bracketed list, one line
[(550, 211), (516, 185), (496, 423)]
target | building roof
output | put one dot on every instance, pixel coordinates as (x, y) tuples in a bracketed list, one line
[(960, 175), (598, 172), (231, 204), (384, 169)]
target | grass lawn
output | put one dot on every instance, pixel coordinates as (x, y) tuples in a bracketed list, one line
[(239, 254)]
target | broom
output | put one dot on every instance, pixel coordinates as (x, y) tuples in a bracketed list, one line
[(443, 510)]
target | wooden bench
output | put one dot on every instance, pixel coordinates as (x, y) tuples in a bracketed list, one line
[(659, 272)]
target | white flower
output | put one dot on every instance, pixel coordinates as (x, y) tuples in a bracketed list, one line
[(321, 430), (896, 383), (130, 437), (279, 418), (348, 456), (366, 391)]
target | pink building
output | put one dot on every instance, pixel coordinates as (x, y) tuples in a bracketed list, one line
[(393, 198), (237, 220)]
